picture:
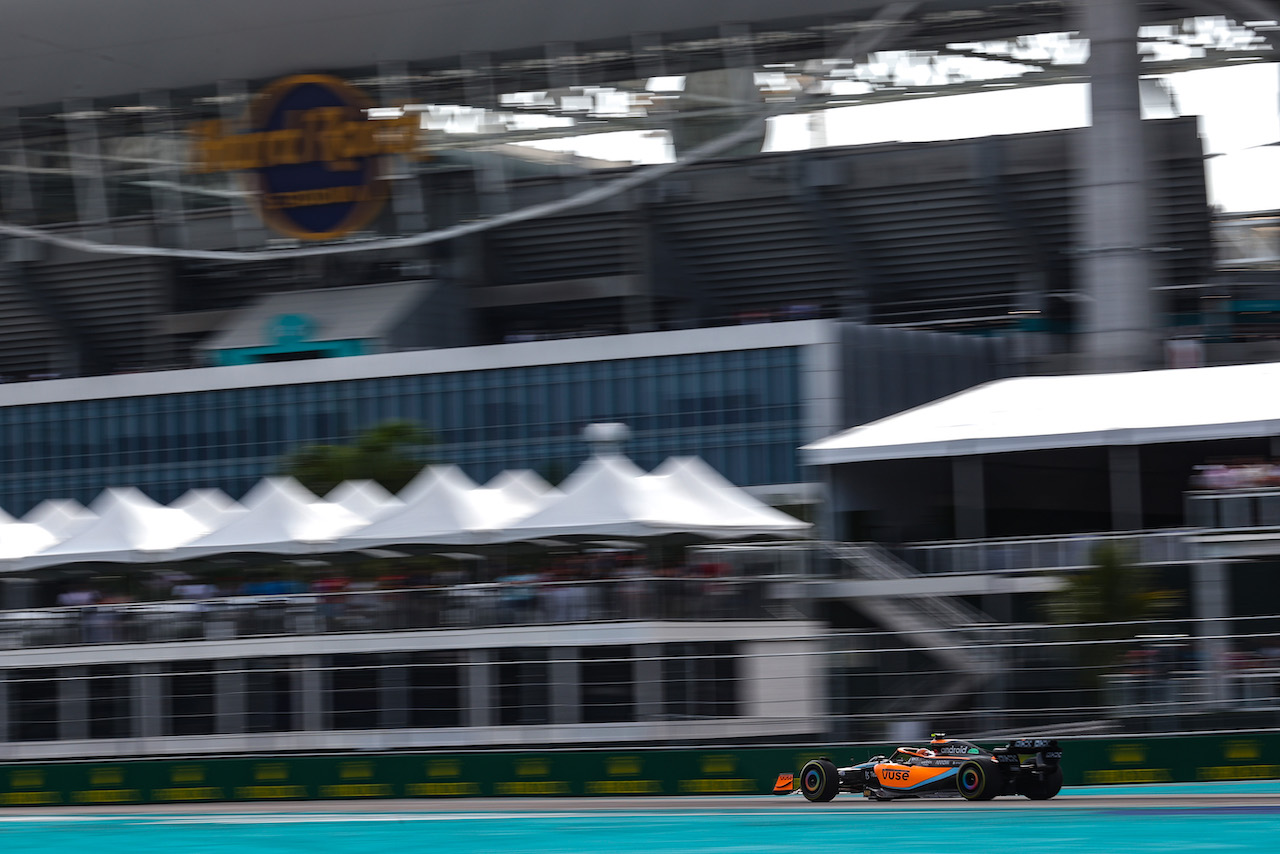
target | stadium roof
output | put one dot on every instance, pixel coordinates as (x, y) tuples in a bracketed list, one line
[(52, 50), (1090, 410)]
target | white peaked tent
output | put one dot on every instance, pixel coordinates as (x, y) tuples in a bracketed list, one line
[(283, 518), (445, 507), (609, 496), (211, 507), (368, 499), (130, 528), (523, 484), (23, 539), (732, 504), (62, 517), (19, 539), (47, 524)]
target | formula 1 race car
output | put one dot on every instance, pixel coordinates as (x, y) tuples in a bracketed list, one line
[(945, 767)]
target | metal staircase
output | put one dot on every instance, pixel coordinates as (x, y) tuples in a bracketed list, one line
[(944, 627)]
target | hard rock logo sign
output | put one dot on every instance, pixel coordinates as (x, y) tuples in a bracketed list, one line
[(313, 154)]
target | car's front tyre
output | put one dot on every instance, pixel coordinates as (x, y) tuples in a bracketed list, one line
[(819, 780)]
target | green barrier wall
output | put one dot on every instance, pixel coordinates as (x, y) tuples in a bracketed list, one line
[(556, 773)]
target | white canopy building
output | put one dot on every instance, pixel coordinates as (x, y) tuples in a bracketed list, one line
[(130, 528), (445, 507), (1052, 454), (608, 496), (283, 518)]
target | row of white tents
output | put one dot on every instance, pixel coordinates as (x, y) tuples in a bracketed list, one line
[(607, 496)]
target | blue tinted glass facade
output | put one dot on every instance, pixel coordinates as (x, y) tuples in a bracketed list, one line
[(740, 410)]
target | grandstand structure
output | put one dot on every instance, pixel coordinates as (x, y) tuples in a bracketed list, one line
[(228, 237), (102, 145)]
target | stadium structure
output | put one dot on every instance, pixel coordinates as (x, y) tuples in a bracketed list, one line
[(268, 227)]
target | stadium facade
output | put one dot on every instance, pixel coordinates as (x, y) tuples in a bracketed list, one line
[(193, 230)]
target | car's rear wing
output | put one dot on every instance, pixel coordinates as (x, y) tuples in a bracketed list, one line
[(1046, 751)]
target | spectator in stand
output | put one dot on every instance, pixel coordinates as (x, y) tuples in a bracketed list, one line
[(1244, 473), (194, 589), (79, 596), (330, 608)]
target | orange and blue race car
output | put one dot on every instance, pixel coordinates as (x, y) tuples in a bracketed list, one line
[(944, 767)]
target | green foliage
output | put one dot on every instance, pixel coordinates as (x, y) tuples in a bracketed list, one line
[(1103, 607), (391, 453), (1111, 590)]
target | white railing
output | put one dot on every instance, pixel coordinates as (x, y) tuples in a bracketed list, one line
[(503, 603), (1026, 554)]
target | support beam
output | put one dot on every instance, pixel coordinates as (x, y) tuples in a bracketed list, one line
[(231, 691), (1124, 471), (406, 191), (649, 684), (1211, 601), (80, 119), (968, 484), (309, 689), (167, 175), (73, 703), (1120, 317), (150, 717), (566, 685), (246, 225), (811, 181), (1043, 268), (477, 689), (393, 691)]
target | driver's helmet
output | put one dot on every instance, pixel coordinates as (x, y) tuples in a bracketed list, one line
[(917, 752)]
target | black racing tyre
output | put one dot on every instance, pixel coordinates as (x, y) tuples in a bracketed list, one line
[(977, 782), (819, 780), (1043, 790)]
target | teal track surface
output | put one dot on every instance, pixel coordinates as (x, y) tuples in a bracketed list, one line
[(1093, 820)]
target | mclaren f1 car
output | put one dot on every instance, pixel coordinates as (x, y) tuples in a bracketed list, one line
[(944, 767)]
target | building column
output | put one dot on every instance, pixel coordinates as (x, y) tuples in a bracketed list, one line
[(166, 175), (393, 692), (73, 703), (247, 227), (406, 191), (566, 685), (968, 488), (477, 689), (1211, 604), (648, 681), (80, 122), (231, 684), (4, 706), (1120, 316), (149, 713), (1124, 472), (309, 689)]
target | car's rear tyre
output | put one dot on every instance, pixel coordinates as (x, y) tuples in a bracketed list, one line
[(819, 780), (1043, 790), (976, 782)]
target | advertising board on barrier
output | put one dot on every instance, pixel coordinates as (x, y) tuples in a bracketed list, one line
[(313, 154), (746, 771)]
